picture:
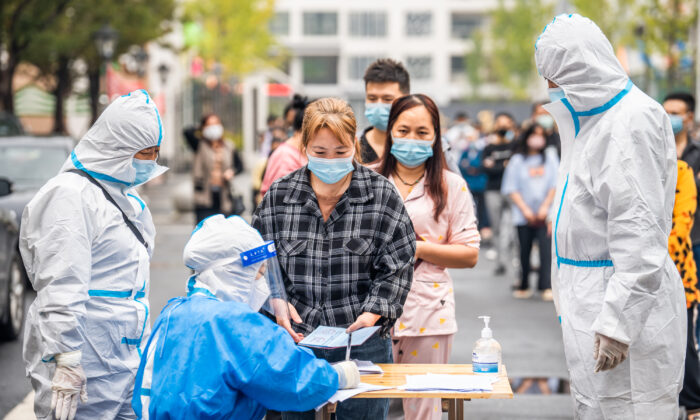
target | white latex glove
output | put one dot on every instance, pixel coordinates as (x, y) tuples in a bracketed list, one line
[(69, 383), (348, 374), (608, 352)]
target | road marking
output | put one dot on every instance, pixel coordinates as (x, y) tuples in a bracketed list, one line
[(23, 410)]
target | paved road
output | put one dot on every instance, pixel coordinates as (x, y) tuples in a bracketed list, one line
[(527, 330)]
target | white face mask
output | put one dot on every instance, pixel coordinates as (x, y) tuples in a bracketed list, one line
[(213, 132)]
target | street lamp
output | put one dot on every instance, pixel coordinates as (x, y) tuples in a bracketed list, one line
[(141, 58), (163, 71), (106, 41)]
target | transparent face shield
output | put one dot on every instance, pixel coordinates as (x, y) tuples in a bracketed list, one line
[(268, 291)]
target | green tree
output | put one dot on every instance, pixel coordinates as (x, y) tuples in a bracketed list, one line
[(475, 63), (136, 21), (68, 37), (664, 26), (616, 18), (234, 33), (21, 23), (511, 36)]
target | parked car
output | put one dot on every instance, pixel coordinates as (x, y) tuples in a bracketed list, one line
[(10, 125), (12, 279), (26, 163)]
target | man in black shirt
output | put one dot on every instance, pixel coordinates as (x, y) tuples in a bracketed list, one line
[(680, 107), (495, 158), (385, 80)]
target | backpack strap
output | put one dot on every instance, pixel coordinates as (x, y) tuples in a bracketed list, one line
[(109, 198)]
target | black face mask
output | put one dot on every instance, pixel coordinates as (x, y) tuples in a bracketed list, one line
[(501, 132)]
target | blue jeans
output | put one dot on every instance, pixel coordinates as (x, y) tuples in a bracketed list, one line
[(375, 349)]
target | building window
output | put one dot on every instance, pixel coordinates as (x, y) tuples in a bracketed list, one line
[(320, 70), (458, 67), (320, 23), (419, 24), (419, 67), (464, 24), (358, 65), (279, 24), (368, 24)]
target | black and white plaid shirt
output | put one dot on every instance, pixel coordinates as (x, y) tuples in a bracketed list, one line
[(360, 260)]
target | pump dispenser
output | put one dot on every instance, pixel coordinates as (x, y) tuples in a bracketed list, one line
[(486, 357)]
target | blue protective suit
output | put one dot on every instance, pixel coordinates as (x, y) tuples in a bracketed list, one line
[(212, 359)]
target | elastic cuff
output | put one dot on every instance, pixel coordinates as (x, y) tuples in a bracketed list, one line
[(342, 379), (72, 358)]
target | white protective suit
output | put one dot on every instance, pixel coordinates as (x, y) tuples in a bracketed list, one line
[(90, 272), (612, 273)]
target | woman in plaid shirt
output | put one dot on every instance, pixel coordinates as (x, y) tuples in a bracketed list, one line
[(345, 244)]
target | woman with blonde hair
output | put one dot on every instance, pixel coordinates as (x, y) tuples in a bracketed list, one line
[(345, 244)]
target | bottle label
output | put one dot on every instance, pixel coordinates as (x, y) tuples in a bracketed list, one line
[(484, 363)]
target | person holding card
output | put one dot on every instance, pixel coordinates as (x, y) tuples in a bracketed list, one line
[(442, 210), (212, 355), (345, 245)]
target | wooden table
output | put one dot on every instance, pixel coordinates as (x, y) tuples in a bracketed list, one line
[(452, 402)]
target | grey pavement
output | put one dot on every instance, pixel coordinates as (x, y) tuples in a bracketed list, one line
[(527, 329), (529, 334)]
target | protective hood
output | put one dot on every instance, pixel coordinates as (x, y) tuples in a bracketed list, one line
[(129, 124), (575, 54), (214, 253)]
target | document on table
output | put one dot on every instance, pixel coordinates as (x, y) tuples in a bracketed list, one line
[(368, 368), (333, 337), (449, 383), (343, 394)]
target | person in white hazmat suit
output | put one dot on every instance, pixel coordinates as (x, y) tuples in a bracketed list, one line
[(619, 296), (86, 241)]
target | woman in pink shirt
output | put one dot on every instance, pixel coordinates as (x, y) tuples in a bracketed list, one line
[(288, 157), (442, 211)]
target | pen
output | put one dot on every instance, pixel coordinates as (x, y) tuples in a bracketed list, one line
[(347, 349)]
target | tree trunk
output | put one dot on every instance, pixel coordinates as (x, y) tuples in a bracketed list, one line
[(63, 88), (94, 89), (7, 101)]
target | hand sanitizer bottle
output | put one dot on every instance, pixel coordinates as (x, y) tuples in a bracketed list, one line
[(486, 357)]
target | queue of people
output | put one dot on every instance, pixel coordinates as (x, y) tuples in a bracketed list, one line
[(358, 229)]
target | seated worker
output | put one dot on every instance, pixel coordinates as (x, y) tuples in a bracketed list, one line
[(212, 355)]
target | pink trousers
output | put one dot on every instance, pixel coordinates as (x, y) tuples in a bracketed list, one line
[(428, 349)]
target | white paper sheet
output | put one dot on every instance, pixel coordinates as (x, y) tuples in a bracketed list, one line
[(449, 383), (343, 394)]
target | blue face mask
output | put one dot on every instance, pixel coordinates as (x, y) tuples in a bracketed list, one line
[(378, 115), (411, 152), (556, 94), (330, 171), (545, 121), (676, 123), (144, 170)]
